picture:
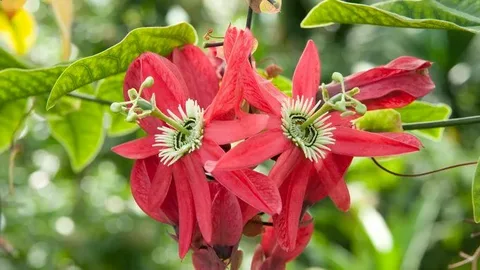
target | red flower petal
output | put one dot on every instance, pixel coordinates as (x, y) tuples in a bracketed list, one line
[(186, 209), (352, 142), (199, 74), (159, 187), (292, 192), (227, 223), (189, 168), (140, 184), (329, 180), (285, 164), (169, 87), (405, 74), (254, 151), (253, 188), (206, 259), (224, 132), (137, 149), (306, 78)]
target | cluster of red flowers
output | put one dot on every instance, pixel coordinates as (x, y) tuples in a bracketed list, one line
[(187, 174)]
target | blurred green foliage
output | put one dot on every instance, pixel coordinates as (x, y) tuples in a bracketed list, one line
[(58, 219)]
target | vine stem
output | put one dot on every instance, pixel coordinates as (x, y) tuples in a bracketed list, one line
[(422, 174), (90, 99), (444, 123)]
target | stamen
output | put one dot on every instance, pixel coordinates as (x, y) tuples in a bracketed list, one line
[(313, 138), (173, 142)]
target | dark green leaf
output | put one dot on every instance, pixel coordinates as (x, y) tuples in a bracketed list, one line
[(9, 61), (420, 111), (11, 116), (80, 132), (22, 83), (387, 120), (112, 89), (115, 60), (476, 193), (434, 14)]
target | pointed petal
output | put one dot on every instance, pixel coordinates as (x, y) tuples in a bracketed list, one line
[(329, 180), (231, 90), (224, 132), (285, 164), (160, 185), (227, 223), (254, 151), (253, 188), (254, 93), (192, 170), (292, 192), (199, 74), (186, 209), (140, 184), (137, 149), (395, 99), (352, 142), (169, 87), (306, 78), (303, 237), (229, 42), (150, 124)]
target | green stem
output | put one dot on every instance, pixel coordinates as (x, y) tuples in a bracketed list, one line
[(324, 109), (157, 113), (443, 123)]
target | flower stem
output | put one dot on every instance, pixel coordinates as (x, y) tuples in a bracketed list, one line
[(324, 109), (444, 123), (158, 114), (249, 17)]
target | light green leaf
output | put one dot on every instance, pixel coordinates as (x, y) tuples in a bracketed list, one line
[(11, 116), (282, 83), (434, 14), (112, 89), (387, 120), (9, 61), (115, 60), (21, 83), (420, 111), (80, 132), (476, 193)]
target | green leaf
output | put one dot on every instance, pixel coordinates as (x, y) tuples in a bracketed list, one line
[(387, 120), (22, 83), (420, 111), (476, 193), (112, 89), (115, 60), (9, 61), (80, 132), (434, 14), (282, 83), (11, 117)]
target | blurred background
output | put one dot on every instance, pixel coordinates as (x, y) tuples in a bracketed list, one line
[(61, 220)]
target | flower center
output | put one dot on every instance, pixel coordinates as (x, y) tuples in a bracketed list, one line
[(314, 138), (176, 144)]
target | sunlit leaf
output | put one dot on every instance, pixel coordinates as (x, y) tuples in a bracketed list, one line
[(115, 60), (63, 10), (9, 61), (387, 120), (434, 14), (80, 132), (19, 31), (21, 83), (476, 193), (112, 89), (11, 115), (420, 111)]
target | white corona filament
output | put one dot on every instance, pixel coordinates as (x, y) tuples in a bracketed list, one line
[(176, 144), (314, 139)]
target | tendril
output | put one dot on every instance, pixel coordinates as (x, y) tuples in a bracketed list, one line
[(424, 173)]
